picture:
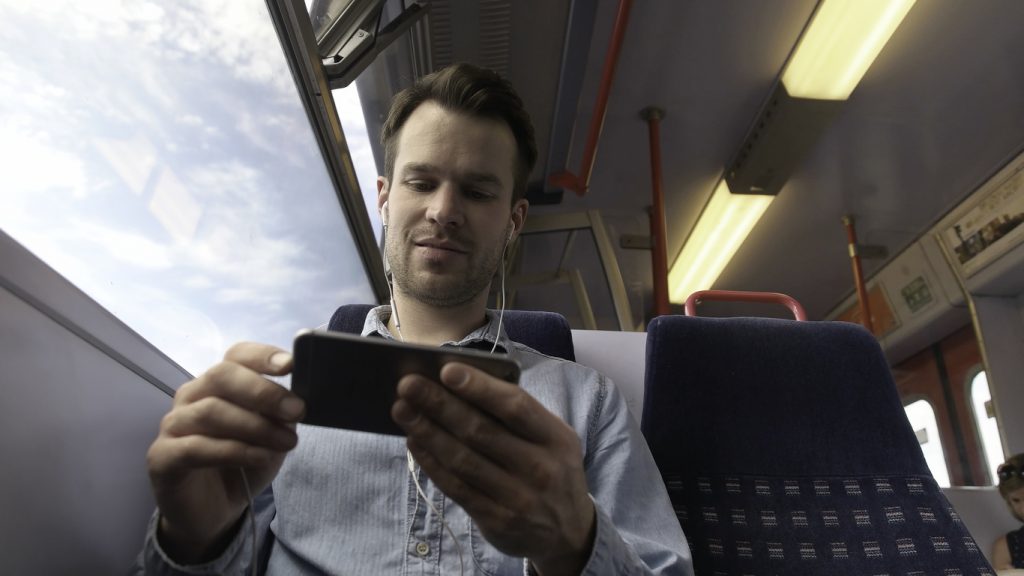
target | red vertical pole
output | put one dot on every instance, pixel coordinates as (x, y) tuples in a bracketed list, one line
[(858, 274), (659, 251), (581, 183)]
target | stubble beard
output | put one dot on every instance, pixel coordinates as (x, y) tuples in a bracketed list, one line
[(446, 291)]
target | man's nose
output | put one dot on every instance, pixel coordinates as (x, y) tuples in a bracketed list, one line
[(445, 206)]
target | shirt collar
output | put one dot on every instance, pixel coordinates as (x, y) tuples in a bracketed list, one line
[(483, 338)]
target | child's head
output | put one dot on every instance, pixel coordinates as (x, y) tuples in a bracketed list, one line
[(1011, 484)]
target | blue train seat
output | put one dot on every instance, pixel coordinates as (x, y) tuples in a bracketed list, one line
[(786, 450), (546, 332)]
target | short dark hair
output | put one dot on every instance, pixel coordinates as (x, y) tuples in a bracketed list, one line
[(470, 90), (1011, 479)]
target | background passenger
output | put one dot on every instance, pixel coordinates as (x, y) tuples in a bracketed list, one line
[(1008, 551)]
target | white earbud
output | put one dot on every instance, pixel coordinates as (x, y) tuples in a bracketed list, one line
[(384, 221), (511, 232)]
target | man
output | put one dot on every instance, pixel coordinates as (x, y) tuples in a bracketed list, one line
[(550, 476)]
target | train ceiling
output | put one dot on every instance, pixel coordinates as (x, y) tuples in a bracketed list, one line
[(939, 111)]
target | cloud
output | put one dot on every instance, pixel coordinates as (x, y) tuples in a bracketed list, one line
[(33, 164), (35, 95), (277, 134), (190, 120), (130, 248), (255, 257), (81, 20), (236, 35), (242, 37)]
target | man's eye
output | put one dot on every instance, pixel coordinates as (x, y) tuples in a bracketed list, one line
[(420, 185)]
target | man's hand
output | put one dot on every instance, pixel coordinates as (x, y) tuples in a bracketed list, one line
[(229, 418), (516, 468)]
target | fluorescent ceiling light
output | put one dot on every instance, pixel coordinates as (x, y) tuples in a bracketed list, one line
[(839, 46), (720, 231)]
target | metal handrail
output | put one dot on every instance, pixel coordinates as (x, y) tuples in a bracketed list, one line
[(690, 307)]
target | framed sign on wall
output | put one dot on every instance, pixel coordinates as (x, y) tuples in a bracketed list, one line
[(988, 224)]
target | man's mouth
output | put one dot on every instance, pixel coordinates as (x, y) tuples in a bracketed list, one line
[(441, 245)]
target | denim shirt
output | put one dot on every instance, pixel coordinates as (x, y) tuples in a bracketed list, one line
[(344, 502)]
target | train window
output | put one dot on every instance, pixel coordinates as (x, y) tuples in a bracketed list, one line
[(985, 419), (353, 124), (158, 156), (922, 419)]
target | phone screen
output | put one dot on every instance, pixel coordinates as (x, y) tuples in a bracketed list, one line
[(349, 381)]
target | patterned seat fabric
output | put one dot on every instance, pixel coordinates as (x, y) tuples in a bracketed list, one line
[(741, 525), (785, 450)]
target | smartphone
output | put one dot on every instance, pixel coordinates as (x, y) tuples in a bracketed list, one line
[(350, 381)]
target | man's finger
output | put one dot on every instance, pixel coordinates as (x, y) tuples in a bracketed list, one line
[(508, 403), (262, 358), (218, 418), (244, 387), (169, 454), (462, 489), (465, 421), (458, 458)]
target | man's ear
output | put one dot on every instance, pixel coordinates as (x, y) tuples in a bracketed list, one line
[(519, 210), (383, 188)]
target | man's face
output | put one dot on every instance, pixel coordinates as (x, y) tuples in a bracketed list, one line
[(449, 205), (1016, 500)]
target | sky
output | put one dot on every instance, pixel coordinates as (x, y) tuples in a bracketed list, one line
[(156, 154)]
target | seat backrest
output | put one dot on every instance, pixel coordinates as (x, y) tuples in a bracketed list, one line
[(786, 450), (546, 332), (620, 357)]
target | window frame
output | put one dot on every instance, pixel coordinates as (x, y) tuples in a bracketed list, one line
[(295, 31)]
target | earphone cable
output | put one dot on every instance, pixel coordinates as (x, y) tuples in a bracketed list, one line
[(252, 522)]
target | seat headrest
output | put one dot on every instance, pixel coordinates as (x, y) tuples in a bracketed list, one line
[(760, 396), (546, 332)]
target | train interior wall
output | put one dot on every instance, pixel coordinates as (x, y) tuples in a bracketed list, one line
[(941, 374), (75, 425)]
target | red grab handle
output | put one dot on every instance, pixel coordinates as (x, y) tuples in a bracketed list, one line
[(739, 296)]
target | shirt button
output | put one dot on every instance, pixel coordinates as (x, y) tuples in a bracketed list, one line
[(422, 549)]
